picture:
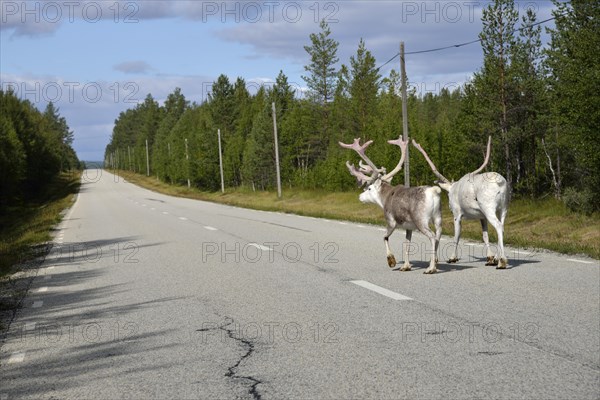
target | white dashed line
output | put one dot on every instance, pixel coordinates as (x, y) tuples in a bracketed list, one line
[(210, 228), (380, 290), (16, 357), (165, 212), (143, 205), (258, 246), (37, 304), (580, 261), (153, 209), (183, 218)]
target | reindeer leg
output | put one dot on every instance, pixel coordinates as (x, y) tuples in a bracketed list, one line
[(457, 222), (437, 221), (407, 266), (501, 262), (503, 259), (390, 257), (432, 264), (486, 241)]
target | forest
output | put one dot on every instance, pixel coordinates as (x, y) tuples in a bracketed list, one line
[(35, 147), (539, 103)]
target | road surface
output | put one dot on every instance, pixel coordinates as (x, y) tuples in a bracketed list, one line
[(150, 296)]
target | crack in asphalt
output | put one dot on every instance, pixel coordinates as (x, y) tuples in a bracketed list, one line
[(232, 371)]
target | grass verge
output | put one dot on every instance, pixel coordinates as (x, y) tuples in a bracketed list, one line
[(24, 227), (531, 224)]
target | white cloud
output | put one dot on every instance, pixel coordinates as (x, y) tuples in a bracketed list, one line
[(133, 67)]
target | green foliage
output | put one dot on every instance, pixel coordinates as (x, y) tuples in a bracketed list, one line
[(34, 148), (364, 86), (573, 62), (323, 57), (582, 201)]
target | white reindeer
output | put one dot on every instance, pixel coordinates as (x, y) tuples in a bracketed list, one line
[(408, 208), (477, 196)]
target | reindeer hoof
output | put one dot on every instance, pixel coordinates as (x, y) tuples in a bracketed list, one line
[(491, 261), (430, 270), (453, 260), (391, 261), (406, 267), (502, 264)]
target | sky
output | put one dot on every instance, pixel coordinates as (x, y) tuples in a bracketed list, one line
[(95, 59)]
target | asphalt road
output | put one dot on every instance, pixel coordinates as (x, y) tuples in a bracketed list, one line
[(149, 296)]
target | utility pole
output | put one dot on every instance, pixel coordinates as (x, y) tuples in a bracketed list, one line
[(147, 160), (221, 162), (276, 152), (187, 158), (404, 115)]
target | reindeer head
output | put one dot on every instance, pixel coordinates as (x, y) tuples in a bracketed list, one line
[(368, 175)]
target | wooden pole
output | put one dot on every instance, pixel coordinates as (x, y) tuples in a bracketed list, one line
[(187, 162), (404, 115), (221, 162), (277, 169), (147, 160)]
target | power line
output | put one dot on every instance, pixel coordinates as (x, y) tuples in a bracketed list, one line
[(461, 44)]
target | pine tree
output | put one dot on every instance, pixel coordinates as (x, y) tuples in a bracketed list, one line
[(573, 60), (322, 73), (321, 83), (364, 87), (494, 83)]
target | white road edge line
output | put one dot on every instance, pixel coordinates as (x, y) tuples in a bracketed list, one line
[(210, 228), (258, 246), (380, 290), (16, 357), (183, 218), (42, 289), (580, 261), (165, 212)]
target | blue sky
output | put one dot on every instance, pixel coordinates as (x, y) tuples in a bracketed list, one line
[(95, 59)]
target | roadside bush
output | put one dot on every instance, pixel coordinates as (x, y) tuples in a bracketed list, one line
[(582, 201)]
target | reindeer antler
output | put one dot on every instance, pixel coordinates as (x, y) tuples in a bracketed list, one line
[(431, 164), (487, 156), (402, 144), (360, 177), (369, 168)]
